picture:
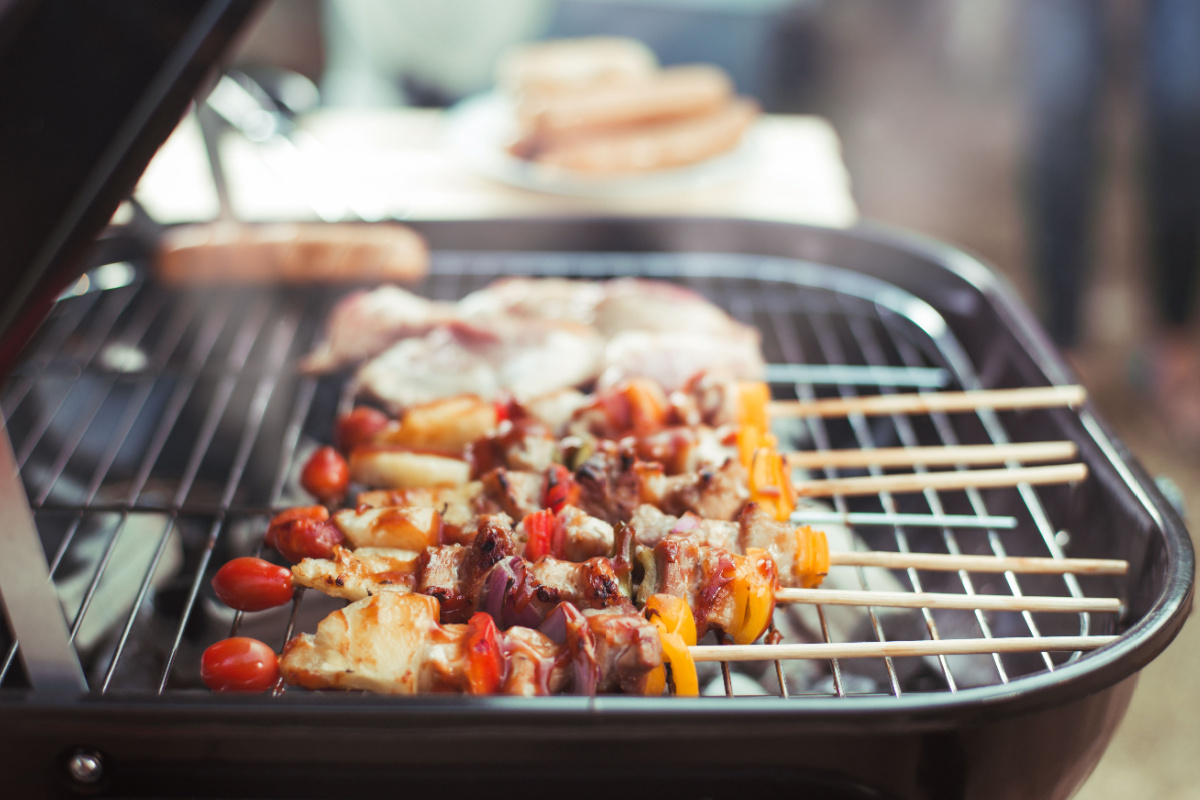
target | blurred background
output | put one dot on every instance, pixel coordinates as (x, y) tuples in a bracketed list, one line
[(1018, 130)]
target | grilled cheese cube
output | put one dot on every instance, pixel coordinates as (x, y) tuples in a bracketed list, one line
[(362, 573), (377, 644)]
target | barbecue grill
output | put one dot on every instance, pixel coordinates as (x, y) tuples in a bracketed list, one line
[(154, 430)]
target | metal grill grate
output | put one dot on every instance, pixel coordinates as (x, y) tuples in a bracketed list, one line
[(156, 432)]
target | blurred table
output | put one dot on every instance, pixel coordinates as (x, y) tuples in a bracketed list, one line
[(397, 163)]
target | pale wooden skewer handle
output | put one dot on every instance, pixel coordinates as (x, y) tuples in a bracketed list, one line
[(924, 403), (938, 647), (934, 456), (952, 563), (983, 602), (961, 479)]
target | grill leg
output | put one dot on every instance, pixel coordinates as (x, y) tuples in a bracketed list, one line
[(30, 603)]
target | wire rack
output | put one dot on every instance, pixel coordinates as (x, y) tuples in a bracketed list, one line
[(156, 431)]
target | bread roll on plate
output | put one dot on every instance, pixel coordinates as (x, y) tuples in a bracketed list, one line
[(644, 148), (673, 93), (567, 65)]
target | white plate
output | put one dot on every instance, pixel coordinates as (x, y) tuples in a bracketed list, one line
[(480, 128)]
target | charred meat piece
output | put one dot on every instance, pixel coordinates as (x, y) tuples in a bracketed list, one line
[(610, 483), (438, 572), (719, 493), (525, 445), (535, 664), (591, 584), (516, 493), (651, 525), (627, 649), (757, 528), (682, 450), (584, 536), (702, 575)]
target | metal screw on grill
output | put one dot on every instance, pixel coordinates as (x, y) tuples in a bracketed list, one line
[(85, 766)]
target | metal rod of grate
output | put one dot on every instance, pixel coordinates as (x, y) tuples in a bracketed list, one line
[(801, 323)]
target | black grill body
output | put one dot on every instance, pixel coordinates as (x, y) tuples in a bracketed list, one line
[(152, 473)]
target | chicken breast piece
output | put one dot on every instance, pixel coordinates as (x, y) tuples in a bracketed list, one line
[(377, 644), (674, 357), (366, 323), (536, 298), (445, 362), (365, 572), (404, 528), (525, 357)]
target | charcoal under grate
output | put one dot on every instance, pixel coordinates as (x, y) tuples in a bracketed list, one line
[(157, 430)]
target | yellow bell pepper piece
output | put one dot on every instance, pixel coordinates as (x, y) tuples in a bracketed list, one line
[(812, 557), (753, 425), (770, 483), (677, 632), (757, 574)]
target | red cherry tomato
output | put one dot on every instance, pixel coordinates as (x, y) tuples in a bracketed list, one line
[(326, 475), (252, 584), (303, 538), (485, 661), (240, 664), (361, 426), (314, 513)]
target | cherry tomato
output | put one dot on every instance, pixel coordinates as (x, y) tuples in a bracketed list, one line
[(252, 584), (360, 426), (298, 539), (314, 513), (240, 664), (326, 475), (485, 662)]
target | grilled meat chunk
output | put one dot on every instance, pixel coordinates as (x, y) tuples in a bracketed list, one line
[(584, 536), (457, 505), (651, 525), (483, 357), (610, 483), (366, 323), (516, 493), (757, 528), (709, 493), (535, 662), (378, 643), (362, 573), (396, 527), (627, 649), (591, 584), (536, 298)]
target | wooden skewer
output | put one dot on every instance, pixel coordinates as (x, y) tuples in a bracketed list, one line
[(938, 647), (983, 602), (934, 456), (959, 479), (952, 563), (926, 402)]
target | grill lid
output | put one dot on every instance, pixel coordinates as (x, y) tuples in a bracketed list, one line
[(89, 92)]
